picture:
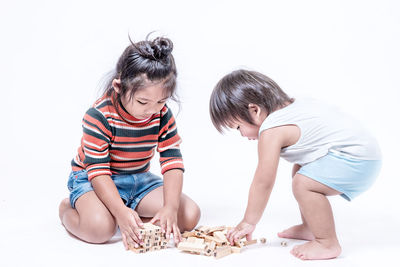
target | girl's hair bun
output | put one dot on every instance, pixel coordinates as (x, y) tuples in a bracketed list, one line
[(162, 48), (158, 49)]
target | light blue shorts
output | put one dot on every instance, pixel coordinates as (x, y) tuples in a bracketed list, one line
[(131, 187), (349, 176)]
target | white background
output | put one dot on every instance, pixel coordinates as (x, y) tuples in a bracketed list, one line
[(52, 59)]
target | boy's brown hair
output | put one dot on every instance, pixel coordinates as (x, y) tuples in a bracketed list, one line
[(232, 95)]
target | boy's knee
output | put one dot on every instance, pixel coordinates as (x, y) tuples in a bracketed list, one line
[(298, 186)]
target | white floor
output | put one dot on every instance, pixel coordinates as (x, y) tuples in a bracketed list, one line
[(31, 234)]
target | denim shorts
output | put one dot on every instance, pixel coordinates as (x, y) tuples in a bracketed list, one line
[(131, 187), (347, 175)]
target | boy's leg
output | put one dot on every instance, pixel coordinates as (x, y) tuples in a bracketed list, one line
[(90, 221), (317, 212), (188, 212), (300, 231)]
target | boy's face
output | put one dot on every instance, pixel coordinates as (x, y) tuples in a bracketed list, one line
[(246, 129)]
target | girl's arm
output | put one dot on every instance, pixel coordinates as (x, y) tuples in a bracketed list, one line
[(168, 215), (127, 219), (173, 181)]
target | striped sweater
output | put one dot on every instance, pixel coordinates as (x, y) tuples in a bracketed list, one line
[(115, 142)]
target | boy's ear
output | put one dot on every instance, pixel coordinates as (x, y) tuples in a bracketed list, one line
[(254, 111), (116, 84)]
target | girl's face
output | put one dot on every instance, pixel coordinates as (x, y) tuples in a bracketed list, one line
[(145, 102)]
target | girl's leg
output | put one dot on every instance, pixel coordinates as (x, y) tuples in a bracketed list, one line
[(188, 212), (300, 231), (90, 221), (316, 209)]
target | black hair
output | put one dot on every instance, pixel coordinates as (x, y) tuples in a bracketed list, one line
[(232, 95), (143, 62)]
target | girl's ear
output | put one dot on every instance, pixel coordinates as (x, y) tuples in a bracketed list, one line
[(116, 84)]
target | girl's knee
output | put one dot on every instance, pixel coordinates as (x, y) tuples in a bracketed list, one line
[(189, 216), (99, 229)]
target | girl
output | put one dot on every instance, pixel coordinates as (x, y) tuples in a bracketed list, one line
[(332, 154), (110, 183)]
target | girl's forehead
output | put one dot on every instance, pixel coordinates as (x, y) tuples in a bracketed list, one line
[(152, 92)]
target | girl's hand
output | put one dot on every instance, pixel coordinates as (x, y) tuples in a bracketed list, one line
[(129, 223), (241, 230), (167, 218)]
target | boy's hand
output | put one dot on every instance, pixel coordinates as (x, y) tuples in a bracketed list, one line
[(167, 218), (129, 223), (241, 230)]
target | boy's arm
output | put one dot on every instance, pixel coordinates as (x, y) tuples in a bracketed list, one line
[(270, 144), (269, 147)]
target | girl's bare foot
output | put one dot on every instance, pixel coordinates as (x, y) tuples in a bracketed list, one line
[(64, 205), (297, 232), (317, 250)]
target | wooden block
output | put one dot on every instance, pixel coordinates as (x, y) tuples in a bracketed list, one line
[(188, 234), (192, 247), (199, 241), (251, 242), (151, 228), (191, 239), (216, 228), (199, 234), (197, 228), (216, 240), (142, 231), (239, 243), (212, 245), (149, 231), (137, 250), (208, 252), (236, 249), (220, 236), (204, 229), (222, 252)]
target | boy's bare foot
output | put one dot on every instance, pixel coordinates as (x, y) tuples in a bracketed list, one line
[(64, 205), (317, 250), (297, 232)]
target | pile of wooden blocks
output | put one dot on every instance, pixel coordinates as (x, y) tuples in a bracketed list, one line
[(211, 241), (152, 238)]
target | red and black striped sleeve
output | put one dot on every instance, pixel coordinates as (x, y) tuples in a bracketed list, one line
[(168, 142)]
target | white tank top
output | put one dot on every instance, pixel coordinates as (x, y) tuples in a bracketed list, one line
[(323, 129)]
